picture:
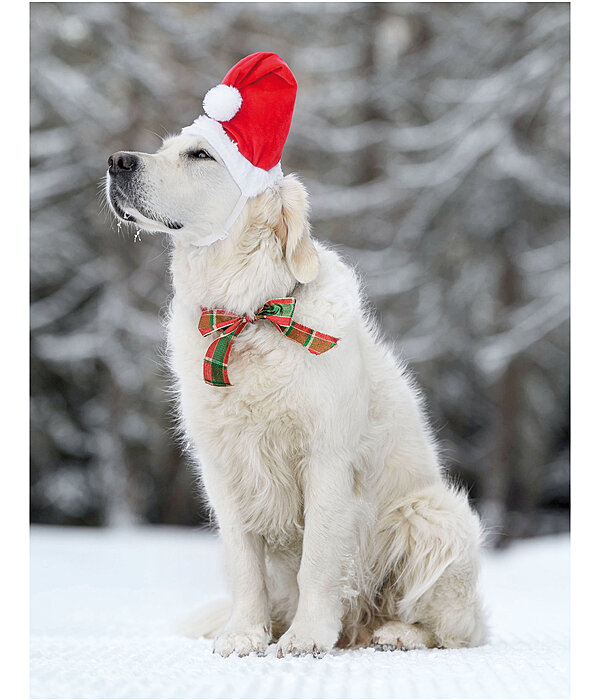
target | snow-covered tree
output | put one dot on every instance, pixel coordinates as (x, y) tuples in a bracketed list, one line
[(434, 139)]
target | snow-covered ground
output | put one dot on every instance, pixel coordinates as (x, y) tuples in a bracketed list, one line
[(104, 602)]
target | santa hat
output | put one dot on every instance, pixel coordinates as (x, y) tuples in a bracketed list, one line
[(248, 117)]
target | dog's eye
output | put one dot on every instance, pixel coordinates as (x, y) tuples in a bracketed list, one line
[(200, 154)]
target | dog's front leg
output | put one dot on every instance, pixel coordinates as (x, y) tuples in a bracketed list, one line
[(248, 628), (329, 516)]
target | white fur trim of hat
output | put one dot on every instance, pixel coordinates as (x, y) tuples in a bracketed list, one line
[(250, 179)]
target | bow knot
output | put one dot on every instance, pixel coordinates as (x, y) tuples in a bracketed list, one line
[(278, 311)]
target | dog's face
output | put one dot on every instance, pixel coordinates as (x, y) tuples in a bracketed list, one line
[(184, 188)]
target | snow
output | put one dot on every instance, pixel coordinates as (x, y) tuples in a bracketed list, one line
[(104, 604)]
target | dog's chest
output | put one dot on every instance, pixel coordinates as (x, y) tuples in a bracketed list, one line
[(253, 436), (262, 455)]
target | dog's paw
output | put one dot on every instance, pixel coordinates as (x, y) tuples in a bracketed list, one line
[(255, 639), (298, 642), (399, 635)]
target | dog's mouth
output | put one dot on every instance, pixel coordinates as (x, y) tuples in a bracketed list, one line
[(127, 207)]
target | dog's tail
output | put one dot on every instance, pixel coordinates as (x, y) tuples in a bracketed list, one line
[(207, 621)]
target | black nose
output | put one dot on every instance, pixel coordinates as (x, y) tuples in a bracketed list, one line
[(123, 162)]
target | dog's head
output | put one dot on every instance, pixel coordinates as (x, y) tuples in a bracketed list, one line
[(184, 186), (185, 189)]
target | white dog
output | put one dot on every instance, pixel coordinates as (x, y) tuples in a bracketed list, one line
[(338, 524)]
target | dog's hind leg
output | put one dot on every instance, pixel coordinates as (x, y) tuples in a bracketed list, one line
[(401, 635), (282, 585), (452, 610), (432, 597)]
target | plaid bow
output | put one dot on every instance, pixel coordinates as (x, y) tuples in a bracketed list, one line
[(278, 311)]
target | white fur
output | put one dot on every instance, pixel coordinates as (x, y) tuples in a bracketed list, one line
[(337, 521)]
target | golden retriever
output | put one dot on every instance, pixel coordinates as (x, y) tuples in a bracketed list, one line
[(338, 524)]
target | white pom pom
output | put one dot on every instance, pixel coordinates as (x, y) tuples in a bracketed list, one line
[(222, 102)]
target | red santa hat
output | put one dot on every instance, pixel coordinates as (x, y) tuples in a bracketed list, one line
[(248, 117)]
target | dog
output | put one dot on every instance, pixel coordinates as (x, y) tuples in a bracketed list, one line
[(338, 522)]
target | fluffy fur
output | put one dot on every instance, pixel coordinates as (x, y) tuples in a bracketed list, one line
[(338, 524)]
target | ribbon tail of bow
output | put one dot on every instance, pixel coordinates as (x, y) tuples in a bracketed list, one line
[(216, 361)]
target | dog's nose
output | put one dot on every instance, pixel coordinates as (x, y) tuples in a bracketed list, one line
[(122, 162)]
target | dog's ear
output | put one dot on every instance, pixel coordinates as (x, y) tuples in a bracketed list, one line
[(294, 231)]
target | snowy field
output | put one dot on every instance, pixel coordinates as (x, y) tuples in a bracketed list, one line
[(104, 602)]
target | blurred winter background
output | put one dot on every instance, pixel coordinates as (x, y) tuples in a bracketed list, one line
[(434, 140)]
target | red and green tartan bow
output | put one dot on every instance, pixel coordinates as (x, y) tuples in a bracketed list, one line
[(278, 311)]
